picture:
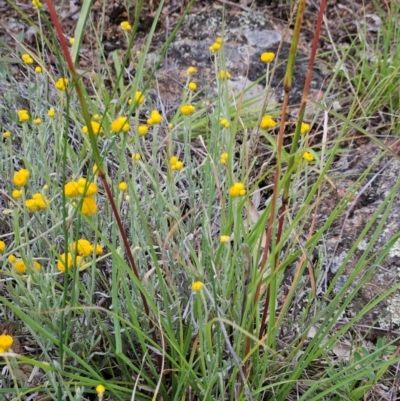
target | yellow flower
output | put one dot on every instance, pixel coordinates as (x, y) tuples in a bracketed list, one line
[(21, 177), (223, 239), (37, 202), (38, 70), (155, 118), (187, 109), (71, 189), (98, 249), (2, 246), (86, 188), (6, 342), (11, 258), (138, 99), (192, 86), (175, 163), (19, 266), (37, 121), (123, 186), (27, 59), (143, 130), (31, 205), (136, 157), (16, 193), (224, 74), (89, 206), (307, 156), (67, 261), (237, 189), (191, 70), (23, 115), (95, 169), (170, 126), (214, 47), (267, 122), (304, 128), (82, 247), (37, 265), (197, 286), (71, 41), (96, 128), (219, 40), (267, 57), (37, 4), (126, 26), (51, 112), (6, 134), (100, 389), (224, 158), (225, 123), (62, 84), (120, 124)]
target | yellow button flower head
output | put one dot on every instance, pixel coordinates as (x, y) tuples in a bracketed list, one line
[(37, 4), (191, 70), (214, 47), (96, 128), (37, 121), (62, 84), (143, 130), (197, 286), (175, 163), (11, 258), (16, 193), (89, 206), (187, 109), (64, 261), (86, 188), (98, 249), (225, 123), (123, 186), (120, 124), (267, 122), (27, 59), (19, 266), (304, 128), (82, 247), (71, 41), (126, 26), (237, 189), (6, 134), (71, 189), (307, 156), (21, 177), (38, 70), (6, 342), (267, 57), (224, 75), (224, 158), (155, 118), (37, 202), (51, 112), (2, 246), (136, 157), (224, 239), (192, 86), (100, 389), (138, 99), (23, 115)]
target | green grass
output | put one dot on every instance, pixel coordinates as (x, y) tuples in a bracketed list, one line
[(89, 325)]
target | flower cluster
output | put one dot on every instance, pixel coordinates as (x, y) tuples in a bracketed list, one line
[(192, 86), (224, 75), (37, 202), (267, 57), (224, 158), (71, 41), (96, 128), (120, 124), (191, 70), (37, 4), (187, 109), (83, 247), (20, 266), (123, 186), (38, 69), (267, 122), (175, 163), (61, 84), (143, 130), (155, 118), (27, 59), (6, 134), (83, 187), (216, 45), (304, 128), (307, 156), (21, 177), (68, 260), (2, 246), (51, 113), (16, 193), (23, 115), (197, 286), (126, 26), (237, 189), (224, 239), (138, 99), (37, 121), (225, 123), (6, 342)]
